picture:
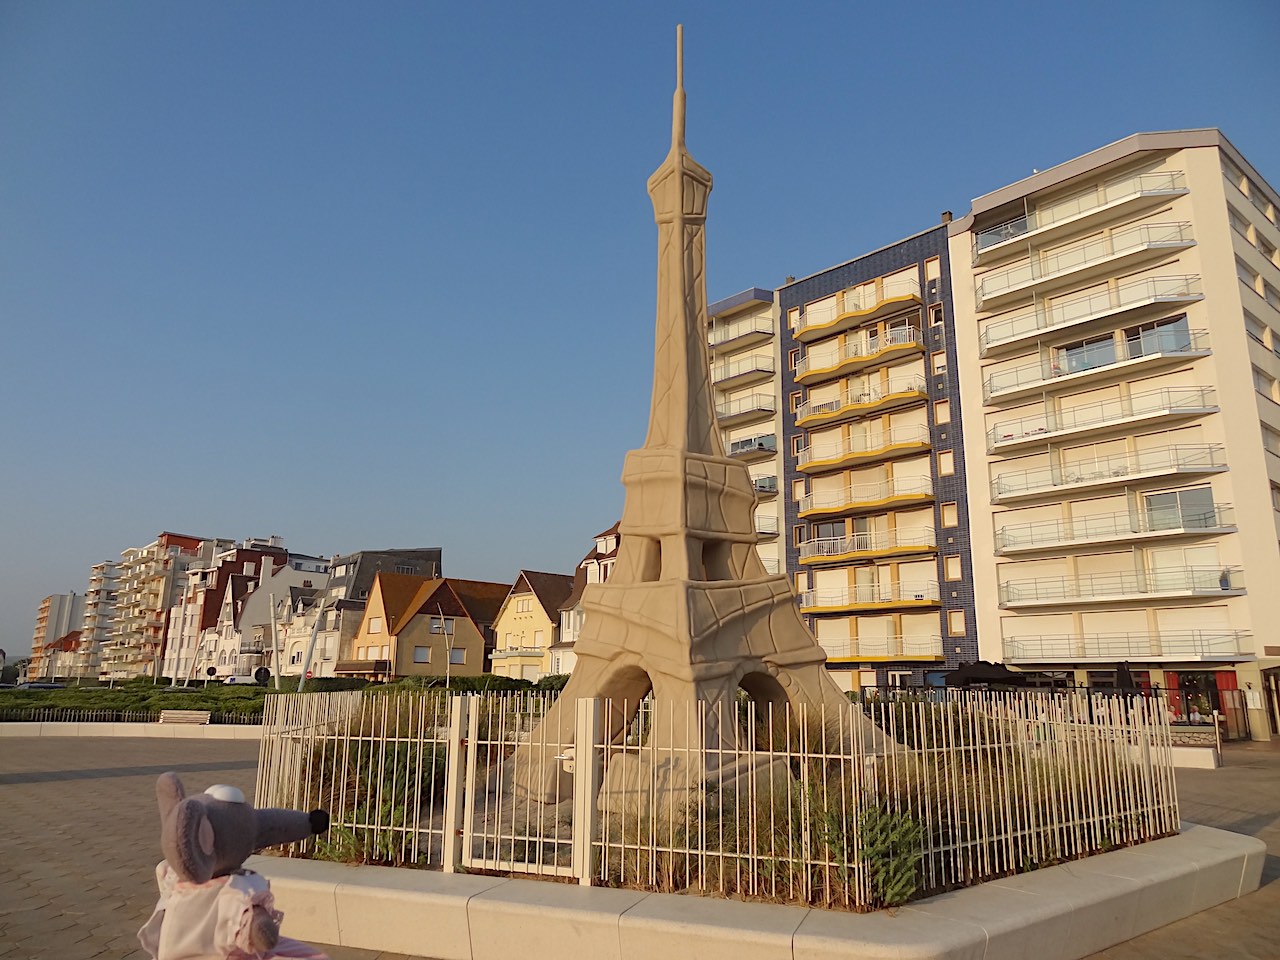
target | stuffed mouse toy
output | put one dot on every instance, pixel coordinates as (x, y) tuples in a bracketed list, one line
[(210, 907)]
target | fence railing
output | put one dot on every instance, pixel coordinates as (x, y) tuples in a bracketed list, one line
[(856, 808), (58, 715)]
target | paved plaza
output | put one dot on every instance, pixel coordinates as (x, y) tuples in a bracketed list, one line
[(80, 846)]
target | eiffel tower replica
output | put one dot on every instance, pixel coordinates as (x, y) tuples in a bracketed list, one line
[(689, 612)]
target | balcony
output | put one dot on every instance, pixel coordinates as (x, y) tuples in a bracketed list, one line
[(741, 333), (741, 373), (1149, 406), (757, 406), (907, 491), (919, 593), (884, 648), (1109, 471), (1126, 297), (1106, 200), (1080, 262), (1135, 355), (859, 353), (1226, 646), (872, 398), (895, 442), (752, 449), (509, 652), (766, 487), (1128, 587), (363, 666), (771, 565), (890, 297), (867, 546), (766, 527), (1155, 524)]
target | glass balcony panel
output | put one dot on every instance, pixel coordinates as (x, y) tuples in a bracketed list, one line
[(764, 443), (866, 346), (866, 444), (1170, 644), (1171, 459), (765, 484), (1096, 586), (1156, 519), (1170, 399)]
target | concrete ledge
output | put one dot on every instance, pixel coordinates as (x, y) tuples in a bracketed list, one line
[(1058, 913), (1206, 758), (176, 731)]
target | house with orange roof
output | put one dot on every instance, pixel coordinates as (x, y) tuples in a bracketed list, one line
[(528, 625)]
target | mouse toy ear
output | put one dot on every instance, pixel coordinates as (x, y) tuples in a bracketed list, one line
[(189, 843), (169, 793)]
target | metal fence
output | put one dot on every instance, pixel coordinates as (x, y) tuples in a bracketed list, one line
[(60, 715), (888, 800)]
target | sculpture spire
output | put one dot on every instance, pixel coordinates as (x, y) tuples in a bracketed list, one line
[(677, 99)]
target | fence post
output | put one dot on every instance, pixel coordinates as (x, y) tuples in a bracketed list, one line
[(454, 783), (588, 764)]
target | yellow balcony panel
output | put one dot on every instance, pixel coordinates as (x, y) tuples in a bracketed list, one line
[(889, 445), (869, 497), (881, 649), (860, 354), (880, 398), (889, 596), (889, 299), (866, 546)]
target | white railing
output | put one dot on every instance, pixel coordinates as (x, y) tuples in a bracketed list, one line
[(867, 493), (728, 332), (1178, 458), (1170, 400), (858, 347), (1024, 536), (871, 593), (832, 450), (879, 647), (1095, 586), (737, 368), (866, 543), (870, 393), (1103, 195), (1063, 313), (1097, 356), (1083, 254), (767, 526), (859, 302), (764, 801), (771, 565), (1127, 646), (755, 403)]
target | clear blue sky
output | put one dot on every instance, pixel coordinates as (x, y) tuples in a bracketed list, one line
[(370, 275)]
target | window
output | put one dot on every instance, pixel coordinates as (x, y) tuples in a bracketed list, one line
[(1266, 248), (457, 655), (797, 534), (1161, 336), (421, 654), (362, 653), (935, 314), (797, 444), (942, 411), (1263, 383), (1272, 295), (1085, 354), (1233, 175), (950, 515), (946, 463), (1256, 329), (939, 362), (828, 530), (793, 357), (1180, 509), (1239, 223), (524, 604), (442, 626), (375, 625), (955, 623), (1270, 440), (411, 568), (1275, 496), (951, 568), (1248, 276), (795, 400)]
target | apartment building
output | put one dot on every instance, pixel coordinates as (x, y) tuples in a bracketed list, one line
[(742, 339), (874, 467), (99, 607), (57, 616), (1119, 316), (341, 607)]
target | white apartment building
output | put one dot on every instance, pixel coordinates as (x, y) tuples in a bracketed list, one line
[(99, 607), (1118, 329), (742, 335)]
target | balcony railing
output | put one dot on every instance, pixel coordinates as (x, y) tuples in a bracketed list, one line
[(752, 446), (771, 565), (867, 493), (869, 444), (1125, 296), (1115, 526), (1100, 356), (1086, 253), (911, 592), (863, 396), (748, 367), (767, 526), (859, 348), (1095, 587), (863, 302), (1148, 403), (766, 486), (884, 648), (1121, 467), (744, 406), (1104, 195), (1114, 647), (756, 327), (889, 540)]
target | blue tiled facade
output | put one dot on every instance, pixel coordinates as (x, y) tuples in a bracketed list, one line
[(956, 595)]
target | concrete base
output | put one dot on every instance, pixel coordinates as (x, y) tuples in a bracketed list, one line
[(1204, 758), (1058, 913), (190, 731)]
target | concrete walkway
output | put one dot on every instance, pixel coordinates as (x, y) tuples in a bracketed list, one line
[(80, 845)]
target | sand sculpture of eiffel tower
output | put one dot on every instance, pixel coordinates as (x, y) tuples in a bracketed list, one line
[(689, 611)]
